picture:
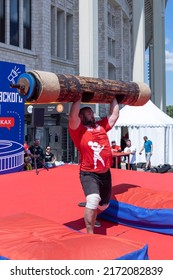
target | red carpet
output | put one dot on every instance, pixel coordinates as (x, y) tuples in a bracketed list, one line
[(55, 195)]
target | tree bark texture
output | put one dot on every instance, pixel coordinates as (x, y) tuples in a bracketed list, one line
[(52, 87)]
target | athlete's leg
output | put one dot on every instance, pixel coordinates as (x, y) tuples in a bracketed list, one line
[(90, 214)]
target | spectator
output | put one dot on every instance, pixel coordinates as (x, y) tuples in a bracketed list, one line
[(148, 147), (37, 152), (131, 150), (27, 158), (116, 148), (49, 158)]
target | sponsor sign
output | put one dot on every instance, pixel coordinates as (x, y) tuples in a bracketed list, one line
[(11, 119)]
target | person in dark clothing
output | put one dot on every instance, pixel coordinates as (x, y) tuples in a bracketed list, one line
[(37, 153), (49, 158)]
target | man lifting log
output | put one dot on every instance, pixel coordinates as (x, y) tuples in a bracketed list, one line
[(90, 138), (88, 135)]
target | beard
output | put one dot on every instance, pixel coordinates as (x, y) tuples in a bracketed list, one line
[(90, 122)]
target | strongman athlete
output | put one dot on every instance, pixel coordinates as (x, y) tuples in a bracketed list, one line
[(90, 138)]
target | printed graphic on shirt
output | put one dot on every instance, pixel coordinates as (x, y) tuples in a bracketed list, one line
[(97, 150)]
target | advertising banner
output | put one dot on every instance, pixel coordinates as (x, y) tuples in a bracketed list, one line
[(11, 119)]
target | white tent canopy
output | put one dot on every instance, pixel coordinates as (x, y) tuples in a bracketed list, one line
[(147, 120)]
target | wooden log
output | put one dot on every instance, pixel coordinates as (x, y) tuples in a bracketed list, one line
[(46, 87)]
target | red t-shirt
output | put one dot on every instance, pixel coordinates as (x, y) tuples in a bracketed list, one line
[(93, 145), (116, 148)]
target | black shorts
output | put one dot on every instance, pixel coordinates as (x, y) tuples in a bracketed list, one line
[(100, 183)]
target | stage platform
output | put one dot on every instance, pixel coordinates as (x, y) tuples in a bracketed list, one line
[(55, 194)]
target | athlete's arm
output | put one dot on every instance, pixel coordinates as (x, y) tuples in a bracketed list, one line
[(74, 120), (114, 113)]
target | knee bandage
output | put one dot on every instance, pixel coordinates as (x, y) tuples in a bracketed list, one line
[(92, 201), (103, 207)]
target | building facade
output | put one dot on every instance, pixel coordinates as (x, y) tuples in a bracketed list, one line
[(96, 38)]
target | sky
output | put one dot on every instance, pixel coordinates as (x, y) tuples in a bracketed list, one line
[(168, 52)]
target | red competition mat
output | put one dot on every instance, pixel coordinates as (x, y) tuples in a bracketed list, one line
[(28, 237)]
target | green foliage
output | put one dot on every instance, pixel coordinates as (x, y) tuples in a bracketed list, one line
[(169, 110)]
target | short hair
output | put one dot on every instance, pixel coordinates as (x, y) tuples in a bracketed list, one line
[(83, 109), (127, 140)]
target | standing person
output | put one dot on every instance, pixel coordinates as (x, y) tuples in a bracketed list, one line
[(131, 150), (116, 148), (90, 138), (27, 158), (49, 158), (37, 153), (148, 147)]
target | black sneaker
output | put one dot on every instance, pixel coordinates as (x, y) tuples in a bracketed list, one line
[(97, 224), (146, 169), (82, 204)]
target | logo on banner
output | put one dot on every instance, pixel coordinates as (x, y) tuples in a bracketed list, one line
[(7, 122), (59, 108), (11, 119), (14, 74)]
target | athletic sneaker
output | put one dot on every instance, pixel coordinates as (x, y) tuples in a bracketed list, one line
[(82, 204), (97, 224), (146, 169)]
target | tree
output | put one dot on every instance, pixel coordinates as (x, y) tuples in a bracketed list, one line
[(169, 110)]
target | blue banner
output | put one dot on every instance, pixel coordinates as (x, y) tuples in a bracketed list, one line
[(11, 119)]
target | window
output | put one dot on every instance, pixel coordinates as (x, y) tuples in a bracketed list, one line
[(111, 20), (111, 71), (2, 21), (27, 24), (69, 37), (61, 33), (53, 31), (111, 47), (14, 22)]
